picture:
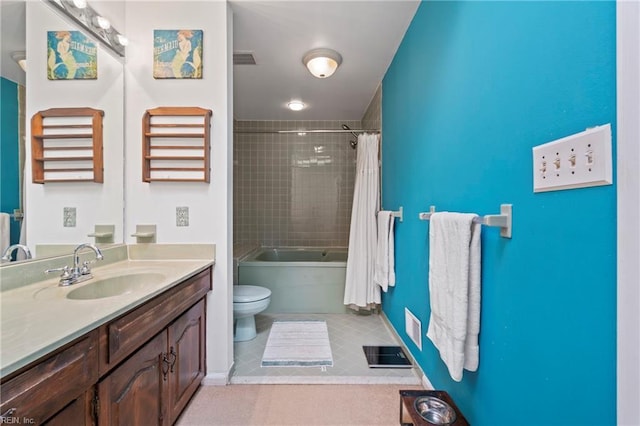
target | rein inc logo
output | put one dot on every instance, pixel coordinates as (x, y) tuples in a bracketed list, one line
[(9, 419)]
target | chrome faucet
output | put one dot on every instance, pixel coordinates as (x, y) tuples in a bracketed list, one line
[(9, 251), (78, 273)]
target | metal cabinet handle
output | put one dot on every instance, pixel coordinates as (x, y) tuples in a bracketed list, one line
[(165, 366), (174, 357)]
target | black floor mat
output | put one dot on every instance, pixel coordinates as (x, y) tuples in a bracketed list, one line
[(386, 357)]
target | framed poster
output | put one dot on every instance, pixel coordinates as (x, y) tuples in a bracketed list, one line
[(177, 54), (71, 56)]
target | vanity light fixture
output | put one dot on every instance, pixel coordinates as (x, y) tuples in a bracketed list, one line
[(122, 40), (21, 59), (296, 105), (103, 22), (322, 63), (89, 19)]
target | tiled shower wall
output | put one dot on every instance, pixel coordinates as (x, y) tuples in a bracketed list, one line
[(290, 189)]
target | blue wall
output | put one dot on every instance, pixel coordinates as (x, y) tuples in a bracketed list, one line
[(473, 87), (9, 164)]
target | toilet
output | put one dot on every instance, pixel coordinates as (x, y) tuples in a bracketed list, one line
[(248, 300)]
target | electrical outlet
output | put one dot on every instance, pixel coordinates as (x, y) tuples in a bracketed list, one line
[(577, 161), (69, 217), (182, 216)]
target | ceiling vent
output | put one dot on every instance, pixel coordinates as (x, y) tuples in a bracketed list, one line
[(243, 58)]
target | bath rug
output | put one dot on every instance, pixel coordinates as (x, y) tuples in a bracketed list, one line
[(298, 344)]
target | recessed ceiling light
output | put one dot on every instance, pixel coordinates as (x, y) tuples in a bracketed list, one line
[(296, 105), (80, 4)]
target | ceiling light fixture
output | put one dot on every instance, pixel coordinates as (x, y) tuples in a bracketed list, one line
[(296, 105), (80, 4), (21, 59), (322, 63)]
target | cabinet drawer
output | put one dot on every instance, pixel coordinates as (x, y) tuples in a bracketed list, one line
[(46, 387), (130, 331)]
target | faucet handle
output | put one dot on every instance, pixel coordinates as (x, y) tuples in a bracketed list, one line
[(86, 270), (66, 272)]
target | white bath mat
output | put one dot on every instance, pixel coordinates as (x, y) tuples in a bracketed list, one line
[(298, 344)]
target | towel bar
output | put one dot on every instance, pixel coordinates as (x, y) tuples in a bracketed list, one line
[(502, 220), (398, 213)]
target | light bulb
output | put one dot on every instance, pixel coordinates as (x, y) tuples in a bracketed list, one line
[(103, 22), (296, 105)]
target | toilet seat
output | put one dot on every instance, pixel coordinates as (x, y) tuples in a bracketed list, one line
[(249, 293)]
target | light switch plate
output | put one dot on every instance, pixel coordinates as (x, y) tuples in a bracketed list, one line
[(577, 161), (182, 216), (69, 217)]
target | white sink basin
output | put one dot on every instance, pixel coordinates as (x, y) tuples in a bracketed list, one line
[(114, 286), (99, 288)]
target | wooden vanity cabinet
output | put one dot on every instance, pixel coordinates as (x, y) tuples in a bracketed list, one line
[(155, 384), (141, 368), (59, 386)]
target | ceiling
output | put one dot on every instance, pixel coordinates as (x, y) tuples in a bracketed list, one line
[(366, 34), (278, 34)]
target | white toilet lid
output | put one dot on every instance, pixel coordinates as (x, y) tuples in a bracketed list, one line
[(249, 293)]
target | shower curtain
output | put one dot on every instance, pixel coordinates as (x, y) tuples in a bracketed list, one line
[(360, 291)]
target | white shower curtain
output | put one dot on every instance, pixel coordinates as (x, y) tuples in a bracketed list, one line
[(360, 291)]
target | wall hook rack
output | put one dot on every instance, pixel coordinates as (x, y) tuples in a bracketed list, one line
[(502, 220)]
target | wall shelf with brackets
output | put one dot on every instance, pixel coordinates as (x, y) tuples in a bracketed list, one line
[(176, 144), (66, 145)]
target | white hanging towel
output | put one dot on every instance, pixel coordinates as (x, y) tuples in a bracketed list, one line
[(384, 269), (5, 231), (454, 290)]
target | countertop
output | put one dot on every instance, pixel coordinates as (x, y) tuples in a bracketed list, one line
[(38, 318)]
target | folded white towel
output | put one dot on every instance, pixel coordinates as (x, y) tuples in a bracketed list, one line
[(5, 231), (454, 290), (384, 273)]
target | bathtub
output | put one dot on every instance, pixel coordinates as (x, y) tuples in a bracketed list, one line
[(301, 280)]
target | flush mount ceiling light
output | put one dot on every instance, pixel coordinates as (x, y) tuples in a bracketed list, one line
[(21, 59), (322, 63), (296, 105)]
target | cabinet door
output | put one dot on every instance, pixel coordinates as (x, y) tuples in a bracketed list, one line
[(187, 353), (79, 412), (135, 392)]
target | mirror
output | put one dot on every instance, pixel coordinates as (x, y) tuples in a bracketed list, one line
[(60, 213)]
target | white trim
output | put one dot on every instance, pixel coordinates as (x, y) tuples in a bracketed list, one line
[(628, 204), (216, 379)]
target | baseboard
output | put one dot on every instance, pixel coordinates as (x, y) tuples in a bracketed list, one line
[(425, 381), (216, 379)]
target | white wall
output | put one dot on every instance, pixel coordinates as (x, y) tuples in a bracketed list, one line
[(210, 217), (95, 203), (628, 178)]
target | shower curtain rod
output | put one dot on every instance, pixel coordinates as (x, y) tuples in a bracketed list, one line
[(310, 131)]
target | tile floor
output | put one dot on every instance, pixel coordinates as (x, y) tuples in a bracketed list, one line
[(347, 334)]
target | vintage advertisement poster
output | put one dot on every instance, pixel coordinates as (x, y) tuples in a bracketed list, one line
[(71, 56), (177, 53)]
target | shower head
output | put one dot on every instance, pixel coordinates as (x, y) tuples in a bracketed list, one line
[(353, 144), (345, 127)]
